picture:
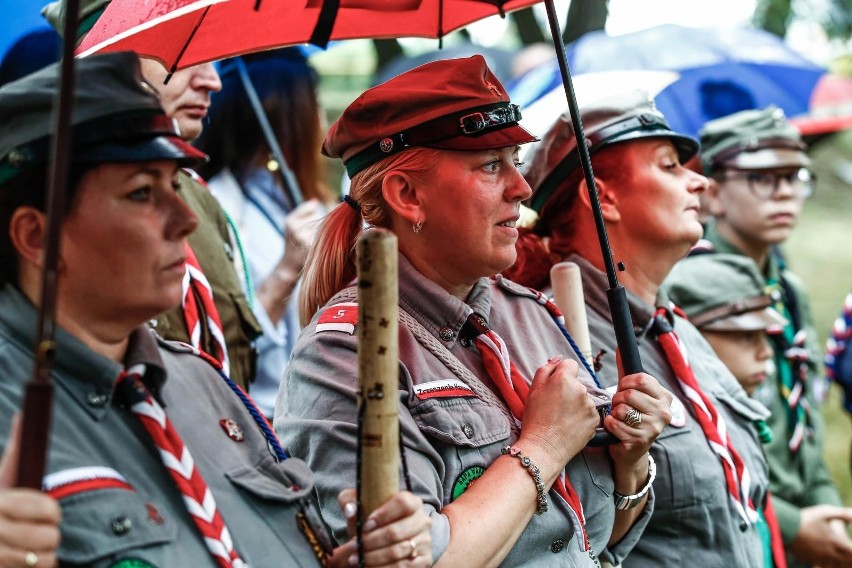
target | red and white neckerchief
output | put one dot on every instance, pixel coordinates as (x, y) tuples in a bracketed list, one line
[(177, 459), (196, 289), (514, 390), (713, 425)]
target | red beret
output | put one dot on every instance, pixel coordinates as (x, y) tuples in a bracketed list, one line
[(452, 104)]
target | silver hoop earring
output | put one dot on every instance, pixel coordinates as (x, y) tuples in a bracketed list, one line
[(418, 226)]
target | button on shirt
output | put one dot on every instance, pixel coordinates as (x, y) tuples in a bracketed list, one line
[(144, 517), (446, 438), (694, 523)]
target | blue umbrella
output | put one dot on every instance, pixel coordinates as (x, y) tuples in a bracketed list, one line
[(19, 18), (719, 71)]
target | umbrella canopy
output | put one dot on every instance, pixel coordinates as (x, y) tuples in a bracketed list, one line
[(720, 71), (182, 33), (19, 18)]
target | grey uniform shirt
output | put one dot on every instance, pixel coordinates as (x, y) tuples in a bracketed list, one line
[(449, 437), (694, 522), (146, 520)]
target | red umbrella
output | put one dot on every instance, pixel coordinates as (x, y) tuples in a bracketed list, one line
[(830, 107), (182, 33)]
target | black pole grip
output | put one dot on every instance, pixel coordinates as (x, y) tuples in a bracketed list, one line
[(38, 402), (624, 335)]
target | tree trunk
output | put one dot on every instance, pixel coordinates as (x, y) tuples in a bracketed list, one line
[(528, 29), (773, 16), (386, 51), (585, 16)]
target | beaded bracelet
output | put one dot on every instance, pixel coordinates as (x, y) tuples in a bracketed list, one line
[(541, 497)]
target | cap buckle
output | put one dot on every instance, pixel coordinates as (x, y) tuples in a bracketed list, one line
[(472, 123)]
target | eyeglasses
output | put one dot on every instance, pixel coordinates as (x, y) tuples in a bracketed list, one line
[(765, 184)]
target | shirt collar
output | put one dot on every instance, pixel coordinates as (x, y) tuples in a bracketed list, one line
[(88, 376), (441, 313)]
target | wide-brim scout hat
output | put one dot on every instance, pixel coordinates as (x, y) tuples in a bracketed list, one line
[(117, 117), (723, 292), (613, 120), (752, 140), (451, 104)]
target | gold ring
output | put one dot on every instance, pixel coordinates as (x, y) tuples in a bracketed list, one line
[(414, 552), (633, 418), (31, 558)]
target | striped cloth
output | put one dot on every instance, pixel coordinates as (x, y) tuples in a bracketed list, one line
[(177, 459)]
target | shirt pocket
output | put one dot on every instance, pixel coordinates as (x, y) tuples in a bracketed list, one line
[(678, 466), (103, 526), (460, 421)]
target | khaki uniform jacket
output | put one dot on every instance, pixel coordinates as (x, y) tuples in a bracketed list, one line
[(211, 243), (102, 527), (694, 523), (448, 440), (801, 479)]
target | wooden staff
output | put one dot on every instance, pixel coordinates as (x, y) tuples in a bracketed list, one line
[(567, 287), (378, 367)]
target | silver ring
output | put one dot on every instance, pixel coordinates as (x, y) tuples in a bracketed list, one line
[(414, 552), (31, 558), (633, 418)]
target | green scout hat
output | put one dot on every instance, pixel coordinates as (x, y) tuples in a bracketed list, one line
[(752, 139), (450, 104), (117, 117), (722, 292), (90, 11), (629, 116)]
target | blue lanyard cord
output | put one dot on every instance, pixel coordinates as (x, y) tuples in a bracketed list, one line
[(260, 419), (576, 349)]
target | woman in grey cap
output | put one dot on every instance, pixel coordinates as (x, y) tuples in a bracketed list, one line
[(494, 413), (712, 474), (156, 457)]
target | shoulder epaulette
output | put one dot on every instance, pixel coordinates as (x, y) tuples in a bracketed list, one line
[(186, 348), (339, 317)]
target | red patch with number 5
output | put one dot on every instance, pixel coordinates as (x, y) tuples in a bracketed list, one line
[(339, 317)]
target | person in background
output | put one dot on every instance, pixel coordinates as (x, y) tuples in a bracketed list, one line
[(245, 177), (214, 315), (723, 295), (838, 355), (495, 413), (759, 180), (715, 478), (155, 456)]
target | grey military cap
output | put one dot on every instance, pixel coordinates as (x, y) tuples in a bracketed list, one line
[(630, 116), (117, 117), (722, 292), (752, 139)]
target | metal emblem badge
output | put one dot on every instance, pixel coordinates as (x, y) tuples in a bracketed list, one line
[(386, 145), (232, 429)]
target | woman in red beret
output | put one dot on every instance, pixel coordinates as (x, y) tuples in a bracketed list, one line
[(494, 409)]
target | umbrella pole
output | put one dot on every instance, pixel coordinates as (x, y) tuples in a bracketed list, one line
[(288, 181), (621, 320), (38, 393)]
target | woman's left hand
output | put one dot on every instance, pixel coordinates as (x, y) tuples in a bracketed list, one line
[(641, 409), (396, 534)]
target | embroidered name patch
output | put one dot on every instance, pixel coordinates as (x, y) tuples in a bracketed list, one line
[(339, 317), (82, 479), (447, 388)]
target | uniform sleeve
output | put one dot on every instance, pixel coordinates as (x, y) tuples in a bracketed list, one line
[(616, 553), (316, 418)]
